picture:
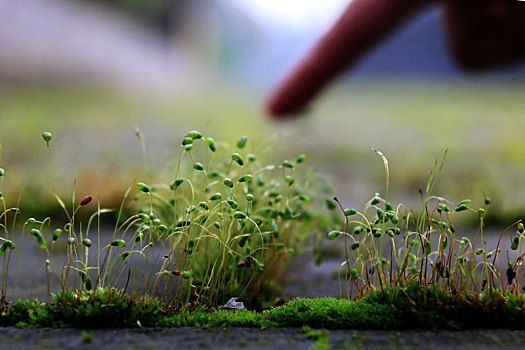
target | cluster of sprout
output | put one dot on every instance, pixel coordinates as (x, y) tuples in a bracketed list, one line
[(222, 226), (387, 245)]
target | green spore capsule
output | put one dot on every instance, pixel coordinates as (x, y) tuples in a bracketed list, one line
[(353, 274), (150, 245), (176, 183), (358, 229), (71, 241), (451, 228), (183, 223), (88, 284), (260, 180), (141, 186), (334, 234), (375, 200), (515, 243), (185, 274), (354, 245), (228, 182), (198, 166), (187, 141), (304, 198), (287, 164), (57, 233), (246, 178), (461, 207), (444, 244), (464, 241), (213, 174), (3, 248), (249, 197), (480, 251), (194, 135), (392, 217), (216, 196), (35, 232), (520, 228), (86, 242), (251, 158), (301, 159), (330, 203), (428, 248), (204, 206), (388, 207), (241, 143), (2, 172), (239, 215), (138, 236), (232, 203), (443, 207), (467, 202), (163, 228), (188, 148), (145, 217), (236, 157), (118, 243), (217, 225), (376, 232), (289, 180), (30, 221), (123, 255), (211, 144), (47, 136)]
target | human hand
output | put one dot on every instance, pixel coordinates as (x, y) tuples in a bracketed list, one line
[(482, 34)]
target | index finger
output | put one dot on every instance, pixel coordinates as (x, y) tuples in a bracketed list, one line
[(362, 25)]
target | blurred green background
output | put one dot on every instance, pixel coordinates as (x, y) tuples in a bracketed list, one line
[(182, 65)]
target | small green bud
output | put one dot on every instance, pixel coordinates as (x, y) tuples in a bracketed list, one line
[(47, 136), (464, 241), (353, 274), (138, 236), (246, 178), (30, 221), (194, 134), (515, 243), (57, 233), (461, 207), (488, 200), (376, 232), (204, 206), (375, 200), (287, 164), (251, 158), (236, 157), (334, 234), (249, 197), (428, 248), (187, 141), (480, 251), (71, 241), (118, 243), (211, 144), (451, 228), (481, 211), (216, 196), (145, 217), (260, 180), (188, 148), (330, 203), (35, 232), (388, 207), (239, 215), (467, 202), (350, 212), (357, 230), (217, 225), (232, 203), (241, 143), (445, 242), (163, 228), (141, 186), (354, 245), (198, 166), (176, 183), (86, 242), (520, 227), (228, 182), (301, 159), (150, 245), (123, 255), (289, 180)]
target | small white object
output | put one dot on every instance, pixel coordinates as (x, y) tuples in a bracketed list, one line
[(233, 304)]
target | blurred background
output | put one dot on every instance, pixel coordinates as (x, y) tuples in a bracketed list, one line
[(90, 71)]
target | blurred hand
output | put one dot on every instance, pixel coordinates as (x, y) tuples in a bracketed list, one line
[(482, 34)]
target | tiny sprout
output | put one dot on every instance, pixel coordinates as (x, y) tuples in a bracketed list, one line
[(86, 200), (2, 172), (211, 144), (287, 164), (241, 143), (246, 178), (118, 243), (301, 159), (86, 242), (176, 183), (520, 227), (251, 158), (238, 159), (194, 135), (141, 186), (249, 197), (228, 182), (289, 180), (187, 141), (47, 136), (57, 233), (239, 215), (71, 241), (30, 221), (216, 196), (185, 274), (350, 212), (334, 234), (198, 166), (354, 245)]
